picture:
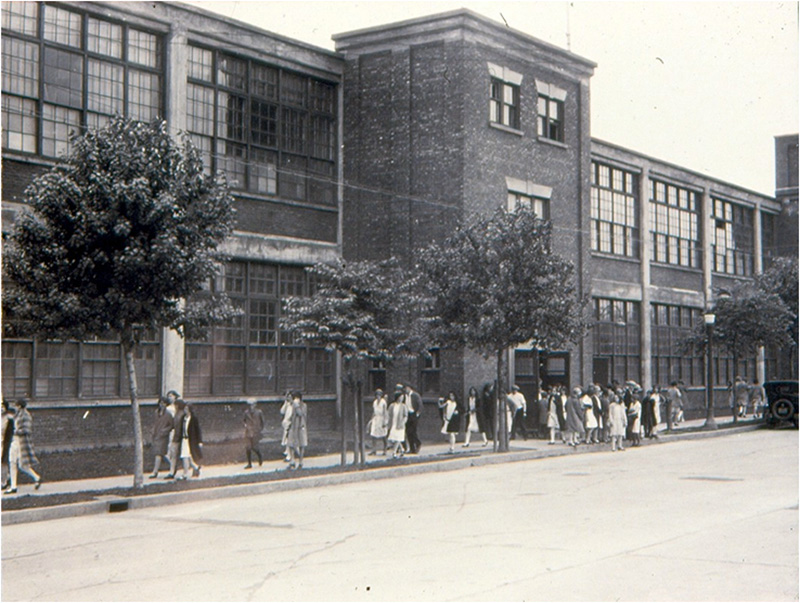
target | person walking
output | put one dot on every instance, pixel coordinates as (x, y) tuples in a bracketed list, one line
[(617, 421), (174, 435), (553, 410), (590, 424), (8, 435), (757, 398), (741, 395), (674, 403), (488, 404), (574, 411), (162, 429), (286, 422), (450, 419), (413, 402), (476, 422), (253, 427), (634, 418), (21, 456), (518, 411), (297, 438), (398, 417), (191, 444), (379, 424)]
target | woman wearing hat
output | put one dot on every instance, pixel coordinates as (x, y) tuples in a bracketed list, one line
[(21, 455)]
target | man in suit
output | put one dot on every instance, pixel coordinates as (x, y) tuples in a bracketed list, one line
[(518, 411), (414, 403)]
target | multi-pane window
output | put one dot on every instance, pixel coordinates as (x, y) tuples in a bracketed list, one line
[(539, 205), (614, 220), (95, 369), (271, 131), (674, 224), (250, 353), (669, 325), (550, 118), (617, 337), (732, 238), (76, 73), (504, 103)]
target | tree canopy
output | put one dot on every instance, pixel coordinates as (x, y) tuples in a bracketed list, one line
[(497, 283), (116, 236), (112, 242)]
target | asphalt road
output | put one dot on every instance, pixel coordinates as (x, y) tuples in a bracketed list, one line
[(703, 520)]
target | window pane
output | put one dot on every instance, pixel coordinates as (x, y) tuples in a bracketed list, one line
[(200, 109), (200, 62), (232, 73), (104, 38), (21, 17), (19, 124), (105, 87), (62, 26), (63, 77), (144, 95), (58, 124), (20, 67), (142, 48)]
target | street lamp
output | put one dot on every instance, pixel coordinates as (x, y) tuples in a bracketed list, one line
[(709, 318)]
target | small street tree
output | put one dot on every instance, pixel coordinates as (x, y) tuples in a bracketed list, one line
[(781, 279), (746, 319), (495, 284), (115, 239), (361, 310)]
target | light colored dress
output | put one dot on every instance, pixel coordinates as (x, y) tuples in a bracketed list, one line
[(589, 420), (379, 425), (398, 415), (617, 419)]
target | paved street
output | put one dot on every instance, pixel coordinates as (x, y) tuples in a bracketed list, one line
[(704, 520)]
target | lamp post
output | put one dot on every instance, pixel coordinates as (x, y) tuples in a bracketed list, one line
[(709, 318)]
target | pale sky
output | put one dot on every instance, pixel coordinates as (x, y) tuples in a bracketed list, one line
[(704, 85)]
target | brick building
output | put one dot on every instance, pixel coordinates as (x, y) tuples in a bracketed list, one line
[(264, 109), (454, 114), (440, 118)]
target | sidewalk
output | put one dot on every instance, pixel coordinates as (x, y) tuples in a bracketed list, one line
[(432, 457)]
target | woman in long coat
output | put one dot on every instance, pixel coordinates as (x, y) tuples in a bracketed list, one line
[(191, 450), (398, 417), (574, 417), (476, 421), (554, 419), (297, 437), (21, 455), (379, 424), (162, 428), (617, 420)]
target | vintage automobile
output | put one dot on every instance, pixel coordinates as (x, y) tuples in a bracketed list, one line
[(781, 402)]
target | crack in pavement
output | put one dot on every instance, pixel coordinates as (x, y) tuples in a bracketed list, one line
[(293, 564)]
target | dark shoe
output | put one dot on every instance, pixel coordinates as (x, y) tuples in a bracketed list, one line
[(153, 475), (10, 491), (248, 466), (38, 484), (196, 472), (169, 476)]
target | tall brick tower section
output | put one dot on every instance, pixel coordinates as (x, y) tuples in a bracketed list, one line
[(453, 115)]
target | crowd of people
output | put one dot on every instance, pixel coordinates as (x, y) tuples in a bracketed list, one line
[(588, 415)]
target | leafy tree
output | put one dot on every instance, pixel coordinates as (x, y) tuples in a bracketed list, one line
[(781, 279), (496, 283), (363, 310), (115, 239), (747, 318)]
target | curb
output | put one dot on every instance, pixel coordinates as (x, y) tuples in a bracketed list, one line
[(115, 504)]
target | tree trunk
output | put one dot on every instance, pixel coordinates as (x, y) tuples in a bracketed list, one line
[(361, 436), (735, 408), (138, 451), (342, 418), (356, 446), (502, 403)]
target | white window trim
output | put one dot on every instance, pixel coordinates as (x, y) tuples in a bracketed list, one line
[(528, 188), (505, 74), (551, 91)]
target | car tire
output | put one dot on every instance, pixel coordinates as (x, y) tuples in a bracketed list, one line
[(782, 409)]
